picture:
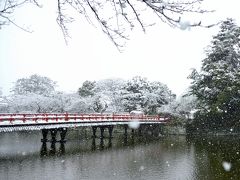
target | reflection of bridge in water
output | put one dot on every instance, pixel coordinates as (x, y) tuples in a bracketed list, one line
[(96, 143), (52, 123)]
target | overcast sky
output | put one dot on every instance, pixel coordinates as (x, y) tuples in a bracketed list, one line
[(163, 54)]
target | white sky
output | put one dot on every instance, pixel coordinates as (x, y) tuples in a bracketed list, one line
[(163, 54)]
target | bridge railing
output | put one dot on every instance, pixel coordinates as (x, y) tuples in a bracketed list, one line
[(64, 117)]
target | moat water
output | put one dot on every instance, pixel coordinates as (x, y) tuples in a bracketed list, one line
[(24, 156)]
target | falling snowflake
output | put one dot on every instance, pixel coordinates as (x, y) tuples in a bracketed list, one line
[(184, 25), (141, 168), (134, 124), (227, 166)]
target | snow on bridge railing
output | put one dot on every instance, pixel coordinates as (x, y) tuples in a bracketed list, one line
[(18, 118)]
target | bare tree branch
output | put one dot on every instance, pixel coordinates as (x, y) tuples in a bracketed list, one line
[(136, 14), (8, 7), (62, 20), (115, 17)]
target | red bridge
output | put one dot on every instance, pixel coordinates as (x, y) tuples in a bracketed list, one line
[(54, 122)]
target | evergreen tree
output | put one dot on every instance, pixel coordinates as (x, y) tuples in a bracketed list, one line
[(87, 89), (133, 94), (217, 85), (140, 94)]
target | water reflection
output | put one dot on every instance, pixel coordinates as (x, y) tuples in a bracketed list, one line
[(124, 157), (213, 152), (44, 151), (104, 143)]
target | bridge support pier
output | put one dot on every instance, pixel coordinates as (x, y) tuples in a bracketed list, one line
[(63, 132), (94, 128), (140, 130), (102, 128), (125, 130), (125, 140), (133, 131), (110, 130), (110, 142), (53, 134), (44, 134)]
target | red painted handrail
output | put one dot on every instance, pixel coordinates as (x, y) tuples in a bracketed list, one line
[(56, 117)]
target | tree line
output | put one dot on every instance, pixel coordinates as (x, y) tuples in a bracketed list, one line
[(37, 94)]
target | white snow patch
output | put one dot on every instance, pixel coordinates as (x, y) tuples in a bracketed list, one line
[(141, 168), (184, 25), (134, 124), (226, 165)]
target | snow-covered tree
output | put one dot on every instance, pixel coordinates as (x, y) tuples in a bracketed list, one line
[(217, 85), (87, 89), (140, 94), (3, 103), (34, 84), (29, 103), (78, 104), (98, 104), (158, 94), (132, 94), (110, 92), (113, 17), (35, 94), (102, 95), (64, 101), (186, 106)]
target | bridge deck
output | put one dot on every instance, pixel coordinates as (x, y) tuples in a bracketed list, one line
[(21, 122)]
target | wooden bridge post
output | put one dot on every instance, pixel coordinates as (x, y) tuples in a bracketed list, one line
[(93, 144), (94, 128), (140, 130), (63, 132), (125, 140), (125, 129), (151, 127), (133, 131), (101, 144), (110, 142), (44, 134), (110, 129), (53, 134), (102, 128)]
